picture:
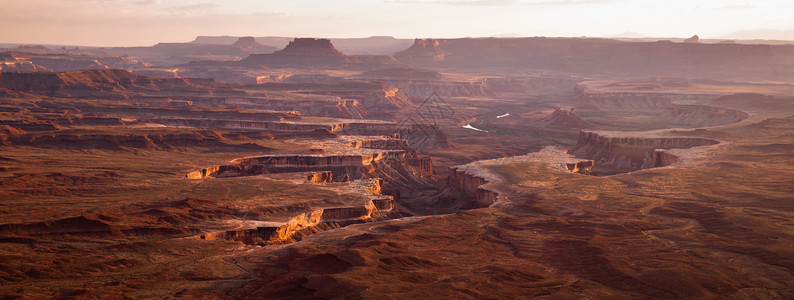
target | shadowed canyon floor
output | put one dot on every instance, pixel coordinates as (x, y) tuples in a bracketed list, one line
[(308, 173)]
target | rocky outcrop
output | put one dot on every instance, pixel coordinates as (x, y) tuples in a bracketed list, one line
[(692, 40), (615, 153), (427, 50), (580, 166), (564, 118), (319, 177)]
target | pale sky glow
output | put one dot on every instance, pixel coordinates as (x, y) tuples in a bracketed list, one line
[(146, 22)]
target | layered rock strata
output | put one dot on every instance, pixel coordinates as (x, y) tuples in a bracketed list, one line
[(619, 152), (316, 219)]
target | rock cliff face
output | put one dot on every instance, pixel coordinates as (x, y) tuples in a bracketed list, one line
[(56, 62), (330, 106), (340, 164), (350, 127), (311, 221), (613, 154), (22, 66), (661, 104), (631, 101), (422, 163), (109, 84), (423, 136), (662, 158), (702, 115), (124, 141), (471, 184)]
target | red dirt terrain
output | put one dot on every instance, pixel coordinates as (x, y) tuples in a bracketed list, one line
[(471, 168)]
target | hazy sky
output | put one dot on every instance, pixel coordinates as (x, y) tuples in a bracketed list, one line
[(146, 22)]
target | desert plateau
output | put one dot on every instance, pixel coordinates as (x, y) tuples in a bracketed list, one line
[(282, 167)]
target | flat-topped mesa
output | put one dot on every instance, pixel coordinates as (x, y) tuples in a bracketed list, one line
[(310, 47), (301, 52), (621, 153)]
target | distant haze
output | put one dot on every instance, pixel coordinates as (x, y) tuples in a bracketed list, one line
[(146, 22)]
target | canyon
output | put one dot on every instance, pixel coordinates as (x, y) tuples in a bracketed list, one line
[(269, 167)]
